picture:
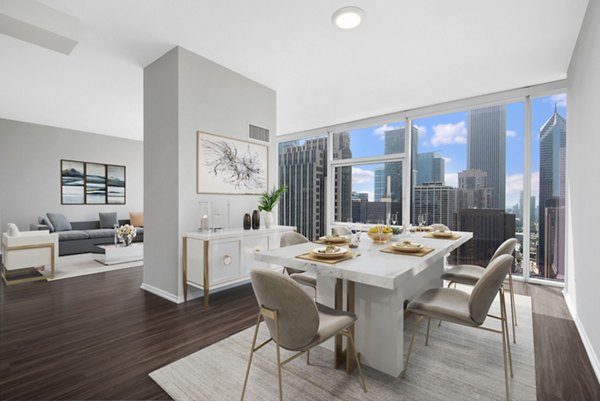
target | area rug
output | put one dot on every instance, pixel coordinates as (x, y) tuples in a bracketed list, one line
[(82, 265), (459, 363)]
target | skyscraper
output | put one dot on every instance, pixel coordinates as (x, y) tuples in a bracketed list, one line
[(437, 201), (431, 167), (486, 149), (380, 182), (553, 138), (342, 178), (394, 143), (473, 191)]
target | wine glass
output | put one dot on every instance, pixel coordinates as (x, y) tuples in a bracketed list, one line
[(422, 220)]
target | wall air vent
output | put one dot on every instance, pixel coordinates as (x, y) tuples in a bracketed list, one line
[(259, 133)]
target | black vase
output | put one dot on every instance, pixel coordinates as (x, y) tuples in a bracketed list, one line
[(247, 222), (255, 220)]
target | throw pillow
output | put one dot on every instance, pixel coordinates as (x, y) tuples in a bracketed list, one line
[(46, 221), (136, 219), (13, 230), (108, 220), (59, 221)]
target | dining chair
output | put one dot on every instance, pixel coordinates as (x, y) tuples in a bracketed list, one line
[(302, 277), (470, 310), (295, 322), (341, 230), (470, 274)]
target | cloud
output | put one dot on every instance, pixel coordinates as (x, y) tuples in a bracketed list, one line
[(514, 184), (445, 134), (380, 131), (451, 179), (511, 134), (559, 100), (362, 176), (422, 129), (447, 159)]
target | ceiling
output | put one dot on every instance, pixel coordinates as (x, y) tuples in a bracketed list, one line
[(405, 55)]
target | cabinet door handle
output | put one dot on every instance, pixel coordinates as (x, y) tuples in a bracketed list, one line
[(227, 260), (257, 249)]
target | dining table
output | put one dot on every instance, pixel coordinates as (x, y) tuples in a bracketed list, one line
[(376, 283)]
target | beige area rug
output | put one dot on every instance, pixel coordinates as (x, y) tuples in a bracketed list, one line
[(82, 265), (460, 363)]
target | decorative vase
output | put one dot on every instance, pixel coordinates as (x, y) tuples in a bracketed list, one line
[(255, 220), (268, 219), (127, 240), (247, 222)]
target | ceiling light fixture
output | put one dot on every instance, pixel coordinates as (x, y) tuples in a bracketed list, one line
[(348, 17)]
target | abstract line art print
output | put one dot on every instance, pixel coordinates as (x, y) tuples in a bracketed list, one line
[(230, 166)]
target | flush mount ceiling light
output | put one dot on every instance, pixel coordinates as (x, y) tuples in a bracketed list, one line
[(348, 17)]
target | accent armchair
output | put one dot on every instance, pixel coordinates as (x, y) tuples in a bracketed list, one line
[(22, 251)]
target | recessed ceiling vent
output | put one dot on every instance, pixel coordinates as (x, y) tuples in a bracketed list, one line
[(259, 133)]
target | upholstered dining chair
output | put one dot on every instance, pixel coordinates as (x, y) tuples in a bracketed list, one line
[(470, 310), (295, 321), (470, 274), (341, 230), (302, 277)]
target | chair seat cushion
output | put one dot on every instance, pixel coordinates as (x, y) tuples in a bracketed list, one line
[(72, 235), (444, 304), (331, 321), (464, 274), (101, 233), (305, 278)]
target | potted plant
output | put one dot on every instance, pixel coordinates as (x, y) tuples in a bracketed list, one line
[(268, 200)]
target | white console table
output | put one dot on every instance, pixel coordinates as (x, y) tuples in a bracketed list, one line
[(214, 261)]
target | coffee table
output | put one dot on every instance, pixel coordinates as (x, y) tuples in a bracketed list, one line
[(114, 254)]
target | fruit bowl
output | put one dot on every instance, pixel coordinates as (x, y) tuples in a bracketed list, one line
[(380, 239)]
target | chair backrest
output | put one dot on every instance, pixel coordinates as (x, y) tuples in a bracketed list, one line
[(289, 239), (439, 226), (296, 312), (487, 287), (341, 230), (505, 248), (12, 230)]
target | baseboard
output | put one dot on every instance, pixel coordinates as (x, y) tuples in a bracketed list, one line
[(584, 338), (161, 293)]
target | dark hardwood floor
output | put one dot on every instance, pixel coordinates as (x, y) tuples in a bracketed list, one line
[(98, 337)]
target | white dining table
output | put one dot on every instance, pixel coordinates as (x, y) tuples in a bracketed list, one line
[(376, 286)]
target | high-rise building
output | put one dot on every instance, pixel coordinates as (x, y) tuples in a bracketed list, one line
[(437, 201), (473, 191), (431, 167), (380, 182), (394, 143), (553, 138), (490, 228), (486, 149), (303, 169), (532, 208)]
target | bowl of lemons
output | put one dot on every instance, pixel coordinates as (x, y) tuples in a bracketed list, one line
[(380, 234)]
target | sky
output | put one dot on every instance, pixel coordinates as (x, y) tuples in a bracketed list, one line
[(447, 135)]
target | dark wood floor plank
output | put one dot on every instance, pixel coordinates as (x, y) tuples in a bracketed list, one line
[(99, 336)]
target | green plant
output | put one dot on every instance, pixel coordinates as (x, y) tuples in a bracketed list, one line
[(268, 200)]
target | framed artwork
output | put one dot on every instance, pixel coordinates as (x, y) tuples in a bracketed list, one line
[(230, 166), (72, 181), (87, 183)]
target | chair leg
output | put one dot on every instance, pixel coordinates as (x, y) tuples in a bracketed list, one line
[(308, 357), (428, 325), (251, 355), (505, 322), (412, 340), (513, 308), (278, 359), (504, 342), (360, 372), (449, 284)]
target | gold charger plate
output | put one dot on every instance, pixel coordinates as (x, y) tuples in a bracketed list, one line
[(424, 251)]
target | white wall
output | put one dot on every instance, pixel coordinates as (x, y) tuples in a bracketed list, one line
[(583, 191), (30, 157), (208, 98)]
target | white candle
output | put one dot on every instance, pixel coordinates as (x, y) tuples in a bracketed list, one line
[(204, 223)]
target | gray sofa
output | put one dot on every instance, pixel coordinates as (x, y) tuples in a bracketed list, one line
[(85, 235)]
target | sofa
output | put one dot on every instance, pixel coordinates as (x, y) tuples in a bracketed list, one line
[(84, 236)]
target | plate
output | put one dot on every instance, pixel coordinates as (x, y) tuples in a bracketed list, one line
[(339, 252), (408, 247), (334, 240), (442, 234)]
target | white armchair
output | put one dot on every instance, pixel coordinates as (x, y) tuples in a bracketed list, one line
[(27, 250)]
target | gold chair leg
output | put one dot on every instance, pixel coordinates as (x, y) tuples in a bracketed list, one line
[(308, 357), (513, 308), (428, 325), (505, 322), (412, 340), (360, 372), (504, 343), (449, 284), (278, 358), (251, 355)]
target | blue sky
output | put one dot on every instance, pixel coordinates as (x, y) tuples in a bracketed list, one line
[(447, 135)]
